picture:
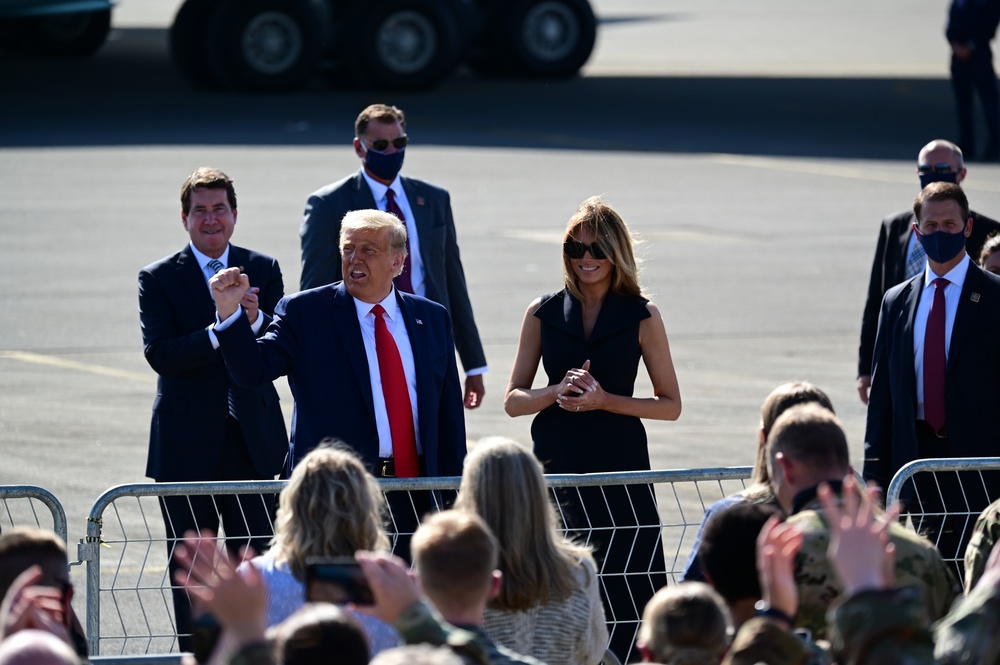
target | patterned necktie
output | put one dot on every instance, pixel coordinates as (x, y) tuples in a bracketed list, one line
[(402, 282), (215, 265), (915, 259), (934, 359), (397, 399)]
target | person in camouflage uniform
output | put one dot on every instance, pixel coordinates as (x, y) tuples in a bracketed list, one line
[(984, 536), (808, 447)]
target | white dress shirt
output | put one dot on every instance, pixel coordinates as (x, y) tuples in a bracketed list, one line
[(381, 200), (397, 328), (952, 293)]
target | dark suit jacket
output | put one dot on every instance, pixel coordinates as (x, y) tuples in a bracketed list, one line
[(188, 430), (972, 391), (889, 269), (444, 276), (315, 339)]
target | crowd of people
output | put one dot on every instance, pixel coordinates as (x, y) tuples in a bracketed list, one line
[(797, 567)]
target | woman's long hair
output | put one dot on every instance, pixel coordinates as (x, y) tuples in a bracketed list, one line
[(612, 235), (331, 507), (503, 483)]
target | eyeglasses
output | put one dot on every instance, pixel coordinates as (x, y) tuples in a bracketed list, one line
[(943, 167), (381, 144), (575, 249)]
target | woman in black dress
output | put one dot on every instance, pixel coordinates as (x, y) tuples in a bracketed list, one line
[(590, 337)]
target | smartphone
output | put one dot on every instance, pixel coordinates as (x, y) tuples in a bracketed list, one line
[(337, 580)]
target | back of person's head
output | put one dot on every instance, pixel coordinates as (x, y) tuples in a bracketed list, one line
[(23, 547), (728, 551), (812, 438), (780, 400), (418, 654), (320, 634), (36, 647), (455, 555), (685, 624), (331, 507), (503, 483)]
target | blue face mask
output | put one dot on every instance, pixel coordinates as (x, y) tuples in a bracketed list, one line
[(384, 166), (942, 247), (933, 176)]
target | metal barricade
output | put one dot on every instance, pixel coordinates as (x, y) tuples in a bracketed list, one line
[(19, 509), (925, 500), (129, 607)]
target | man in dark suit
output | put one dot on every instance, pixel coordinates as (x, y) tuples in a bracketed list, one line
[(898, 255), (204, 426), (325, 341), (433, 268), (934, 389)]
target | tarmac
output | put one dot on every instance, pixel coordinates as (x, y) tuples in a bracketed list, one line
[(753, 148)]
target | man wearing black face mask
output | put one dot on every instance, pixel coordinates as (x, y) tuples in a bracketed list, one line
[(433, 266), (898, 255), (934, 391)]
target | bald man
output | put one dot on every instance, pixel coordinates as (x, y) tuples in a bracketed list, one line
[(898, 255)]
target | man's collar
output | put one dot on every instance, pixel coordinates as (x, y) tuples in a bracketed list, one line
[(808, 496), (955, 276), (388, 304), (203, 259), (378, 189)]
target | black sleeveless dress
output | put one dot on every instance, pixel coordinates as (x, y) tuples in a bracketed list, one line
[(622, 523)]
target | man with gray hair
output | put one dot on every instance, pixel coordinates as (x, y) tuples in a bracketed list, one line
[(366, 363)]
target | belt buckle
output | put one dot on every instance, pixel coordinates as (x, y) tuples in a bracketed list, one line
[(388, 468)]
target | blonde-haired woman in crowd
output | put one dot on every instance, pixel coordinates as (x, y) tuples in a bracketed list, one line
[(776, 403), (549, 606), (331, 507)]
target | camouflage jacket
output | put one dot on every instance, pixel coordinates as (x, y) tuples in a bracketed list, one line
[(881, 627), (971, 631), (984, 537), (917, 563)]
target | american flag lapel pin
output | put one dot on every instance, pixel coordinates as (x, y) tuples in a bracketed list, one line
[(974, 297), (419, 322), (420, 200)]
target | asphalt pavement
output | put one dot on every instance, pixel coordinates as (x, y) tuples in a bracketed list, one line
[(754, 150)]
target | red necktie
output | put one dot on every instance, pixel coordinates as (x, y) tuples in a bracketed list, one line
[(403, 282), (397, 399), (934, 359)]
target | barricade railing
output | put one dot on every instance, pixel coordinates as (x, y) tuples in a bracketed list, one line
[(129, 606), (955, 488), (17, 508)]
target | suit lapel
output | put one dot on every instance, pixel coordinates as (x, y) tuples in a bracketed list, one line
[(421, 352), (345, 321), (903, 238), (912, 300), (967, 314), (192, 278), (363, 198), (418, 207)]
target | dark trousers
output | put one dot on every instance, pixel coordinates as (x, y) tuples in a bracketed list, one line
[(976, 75), (408, 508), (622, 523), (247, 520)]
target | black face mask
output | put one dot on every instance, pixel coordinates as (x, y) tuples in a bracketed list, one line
[(934, 176), (942, 247), (384, 165)]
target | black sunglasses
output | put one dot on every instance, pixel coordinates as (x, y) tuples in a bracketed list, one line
[(575, 249), (381, 144), (943, 167)]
